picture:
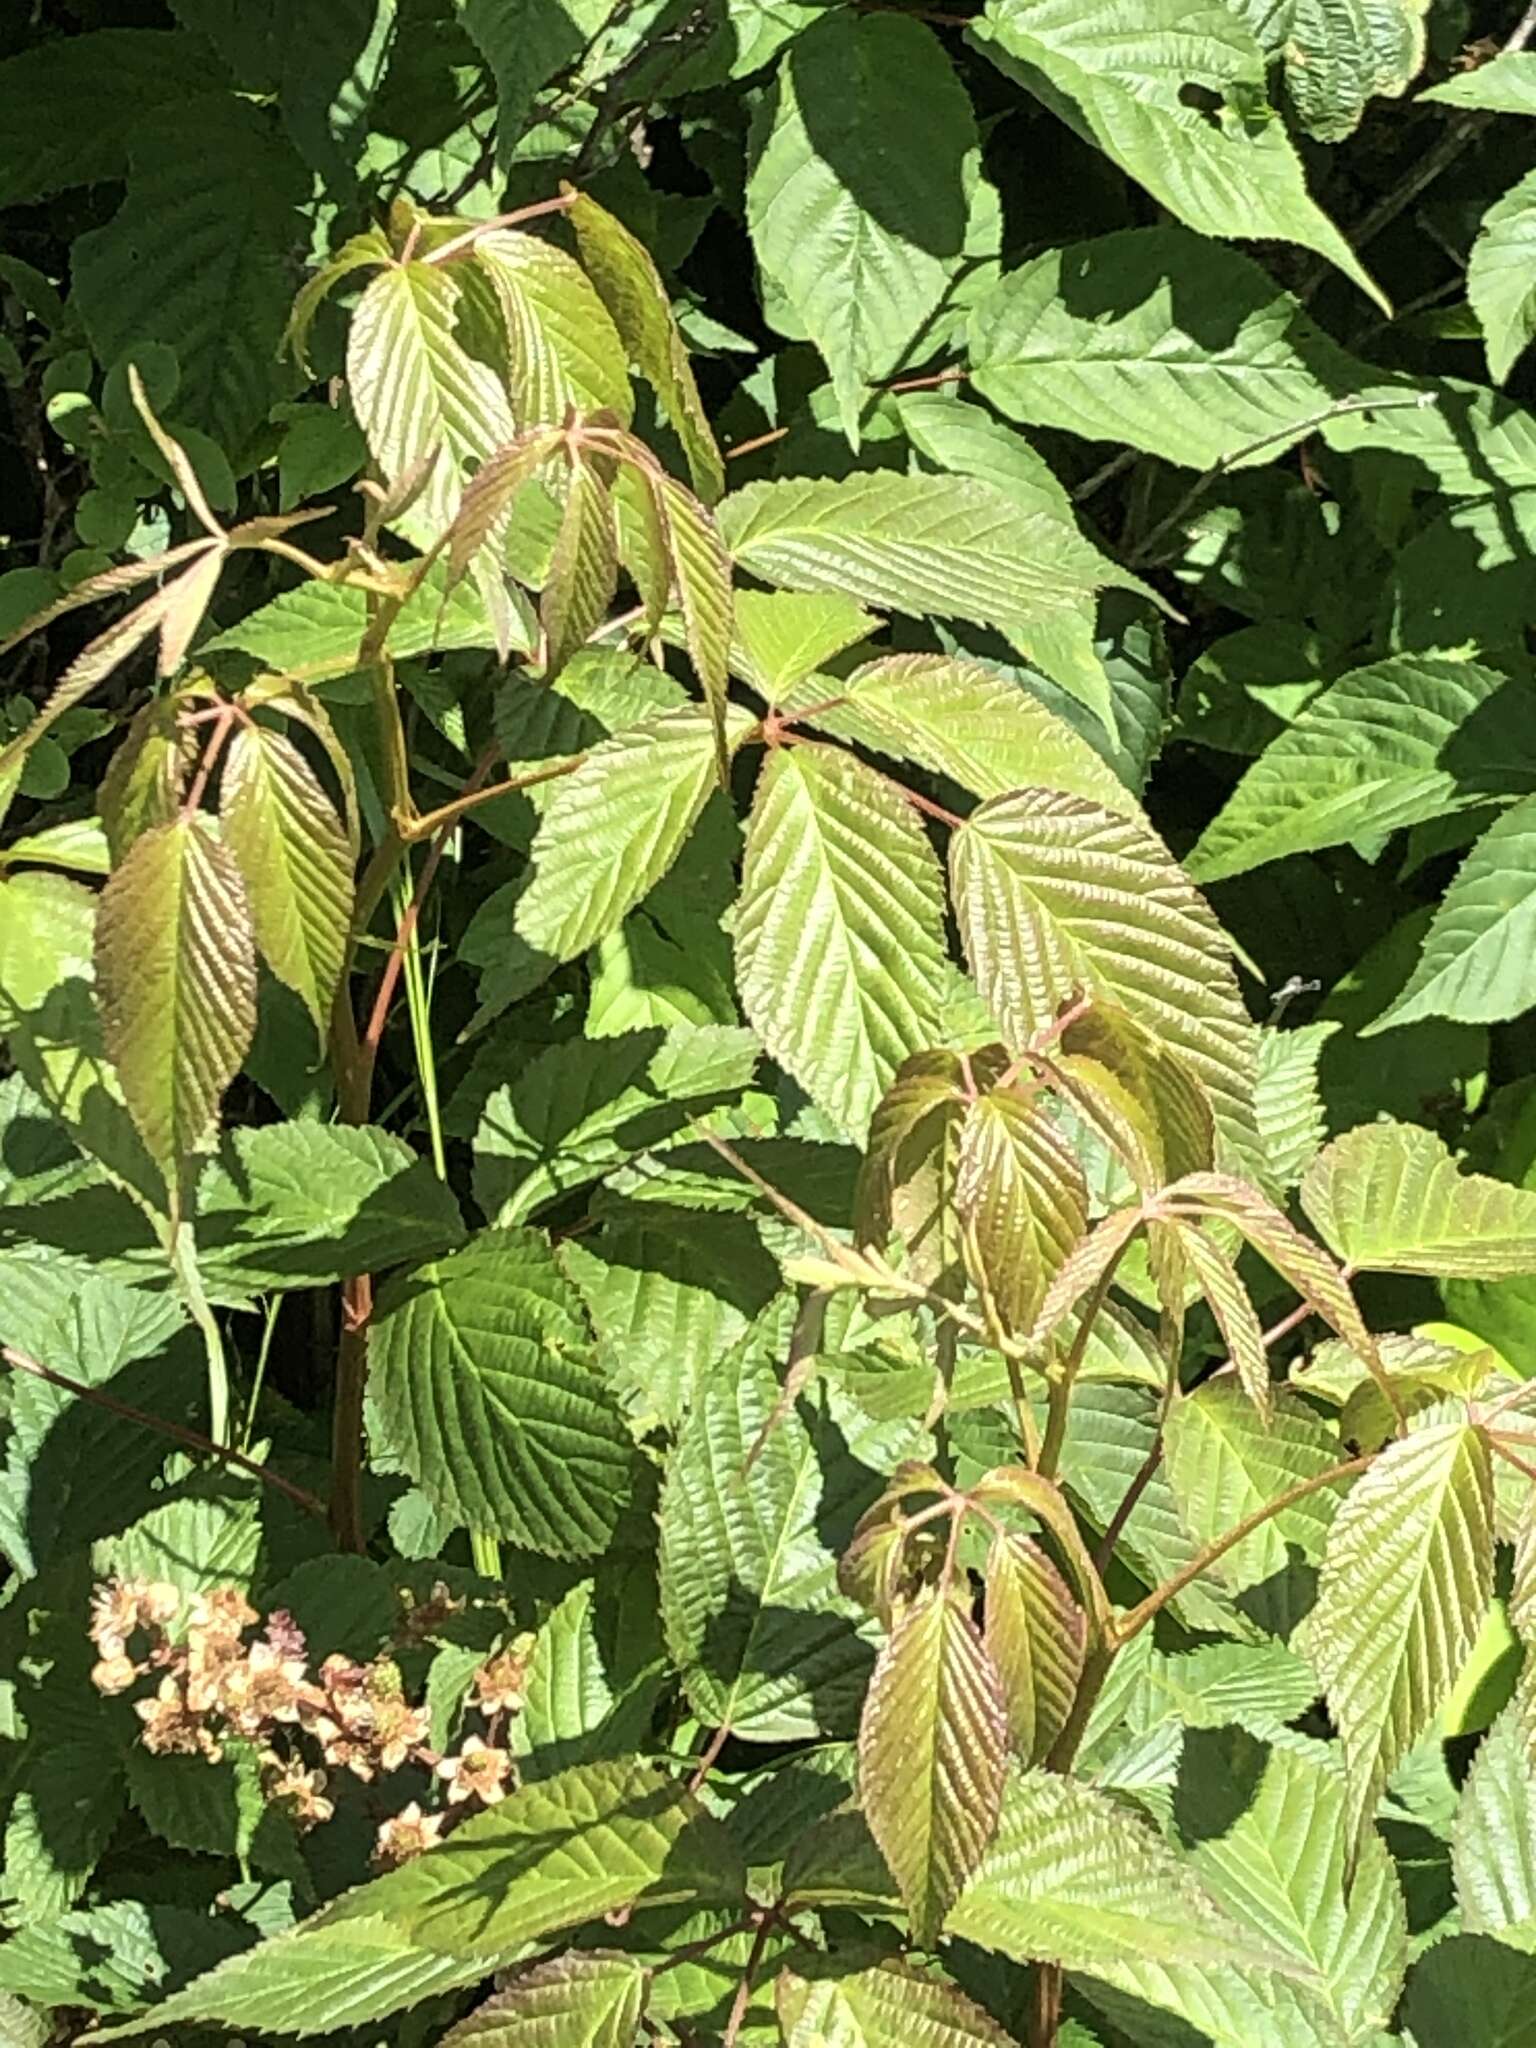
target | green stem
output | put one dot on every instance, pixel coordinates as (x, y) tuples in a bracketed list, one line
[(485, 1553), (1062, 1385), (182, 1252), (270, 1324)]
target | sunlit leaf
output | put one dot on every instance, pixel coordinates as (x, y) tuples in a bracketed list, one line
[(1057, 898), (933, 1756), (1389, 1198), (176, 982), (1406, 1579), (1035, 1633), (839, 927), (295, 861)]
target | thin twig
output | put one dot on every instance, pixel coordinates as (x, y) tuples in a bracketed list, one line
[(446, 251), (194, 1439), (744, 1989), (1135, 1621), (1296, 431), (710, 1755)]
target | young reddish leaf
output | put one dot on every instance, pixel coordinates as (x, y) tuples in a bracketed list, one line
[(1235, 1315), (933, 1757), (1036, 1633), (571, 2001), (1304, 1264), (907, 1182), (1084, 1269), (1022, 1202), (489, 497), (176, 984), (144, 778), (296, 860)]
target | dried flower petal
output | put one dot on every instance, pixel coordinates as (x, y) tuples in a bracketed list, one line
[(500, 1683), (407, 1834)]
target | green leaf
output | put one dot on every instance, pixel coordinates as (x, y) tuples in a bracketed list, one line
[(144, 778), (864, 242), (1124, 80), (1389, 1198), (967, 721), (839, 928), (563, 349), (203, 1808), (524, 51), (1287, 1104), (1153, 337), (479, 1383), (1055, 898), (891, 2006), (779, 637), (1021, 1200), (294, 1204), (110, 1958), (197, 258), (1493, 1850), (1111, 1431), (1035, 1633), (572, 2001), (613, 828), (593, 1674), (1499, 277), (1472, 1990), (296, 863), (208, 1534), (1406, 1579), (933, 1756), (328, 69), (1473, 966), (1406, 739), (670, 1293), (70, 1473), (583, 569), (1506, 84), (1339, 54), (947, 546), (765, 1642), (630, 286), (1225, 1462), (1072, 1877), (69, 1804), (74, 101), (583, 1106), (314, 632), (569, 1849), (418, 393), (176, 982), (1285, 1871)]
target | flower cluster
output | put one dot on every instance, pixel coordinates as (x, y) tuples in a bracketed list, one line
[(214, 1684)]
